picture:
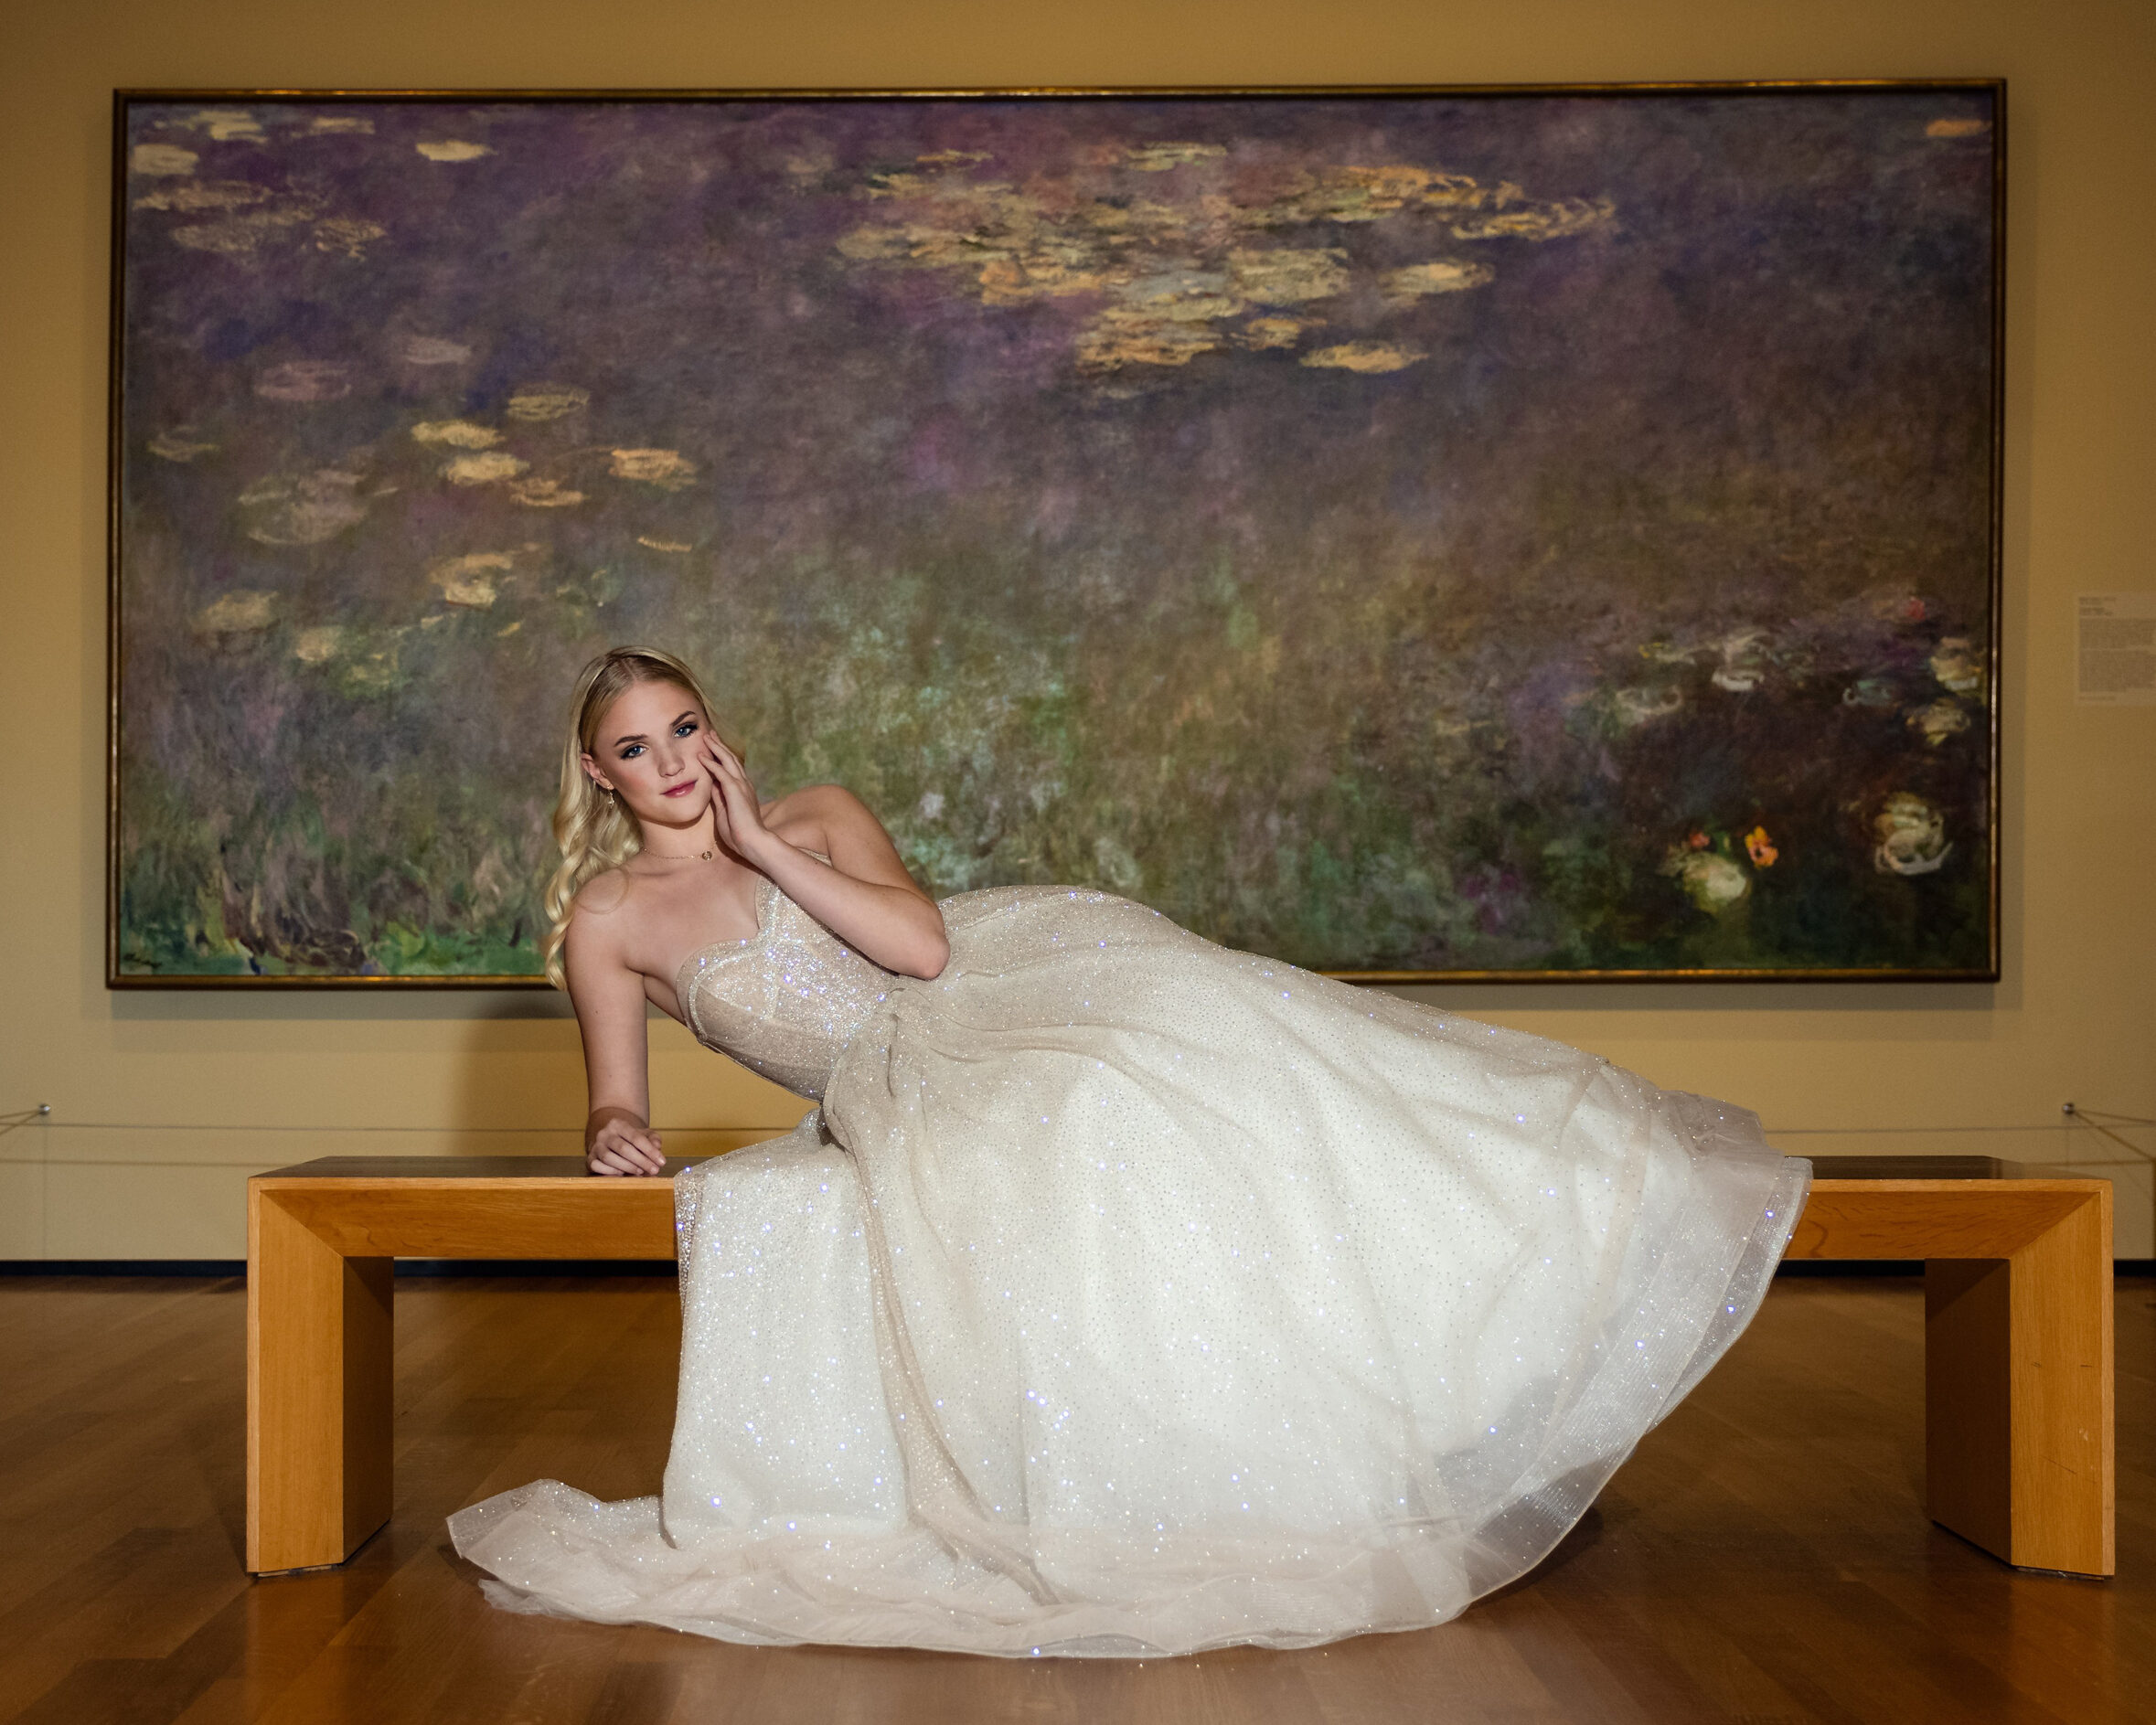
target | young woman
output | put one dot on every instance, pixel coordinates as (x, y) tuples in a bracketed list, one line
[(1124, 1294)]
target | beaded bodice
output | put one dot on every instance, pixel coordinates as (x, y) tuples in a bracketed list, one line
[(784, 1001)]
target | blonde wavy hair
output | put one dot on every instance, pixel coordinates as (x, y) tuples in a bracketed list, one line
[(594, 830)]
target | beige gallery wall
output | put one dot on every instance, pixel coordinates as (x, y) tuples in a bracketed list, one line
[(161, 1102)]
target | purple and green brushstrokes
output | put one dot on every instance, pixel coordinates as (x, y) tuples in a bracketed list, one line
[(1537, 533)]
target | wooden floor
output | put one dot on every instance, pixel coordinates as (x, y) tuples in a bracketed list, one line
[(1762, 1558)]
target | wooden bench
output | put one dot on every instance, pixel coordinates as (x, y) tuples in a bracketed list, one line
[(2017, 1308)]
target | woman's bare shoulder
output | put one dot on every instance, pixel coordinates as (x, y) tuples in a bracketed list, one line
[(595, 924), (815, 806), (603, 945)]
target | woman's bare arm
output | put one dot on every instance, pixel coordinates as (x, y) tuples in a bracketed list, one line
[(866, 897), (609, 1000)]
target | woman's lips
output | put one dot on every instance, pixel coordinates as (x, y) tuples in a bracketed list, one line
[(683, 789)]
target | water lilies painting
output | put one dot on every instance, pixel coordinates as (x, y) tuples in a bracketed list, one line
[(1412, 533)]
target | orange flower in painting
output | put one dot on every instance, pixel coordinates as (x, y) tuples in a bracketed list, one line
[(1699, 841), (1760, 848)]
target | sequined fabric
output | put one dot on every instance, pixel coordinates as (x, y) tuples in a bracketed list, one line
[(1128, 1295), (786, 1000)]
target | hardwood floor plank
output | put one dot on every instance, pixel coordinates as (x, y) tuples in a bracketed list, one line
[(1763, 1556), (635, 1692)]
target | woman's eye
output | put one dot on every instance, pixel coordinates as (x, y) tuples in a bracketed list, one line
[(684, 726), (633, 749)]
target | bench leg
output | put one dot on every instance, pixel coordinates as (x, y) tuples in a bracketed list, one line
[(318, 1376), (2018, 1398)]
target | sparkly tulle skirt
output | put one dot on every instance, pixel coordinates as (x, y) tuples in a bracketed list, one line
[(1128, 1296)]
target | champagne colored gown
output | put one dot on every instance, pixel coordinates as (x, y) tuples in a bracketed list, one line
[(1129, 1295)]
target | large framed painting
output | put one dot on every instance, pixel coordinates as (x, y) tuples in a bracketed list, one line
[(1492, 533)]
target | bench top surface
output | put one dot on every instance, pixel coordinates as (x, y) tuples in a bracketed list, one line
[(454, 1168), (572, 1168)]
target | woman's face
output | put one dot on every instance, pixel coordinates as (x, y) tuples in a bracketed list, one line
[(647, 750)]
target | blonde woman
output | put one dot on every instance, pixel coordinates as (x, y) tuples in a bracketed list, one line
[(1122, 1295), (665, 843)]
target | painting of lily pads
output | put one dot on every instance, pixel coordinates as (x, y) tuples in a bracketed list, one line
[(1438, 533)]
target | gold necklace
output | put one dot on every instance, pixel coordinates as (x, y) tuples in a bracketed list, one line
[(679, 856)]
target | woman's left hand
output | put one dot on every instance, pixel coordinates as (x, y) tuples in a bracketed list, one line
[(734, 810)]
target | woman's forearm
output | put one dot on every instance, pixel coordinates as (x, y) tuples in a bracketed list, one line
[(888, 925)]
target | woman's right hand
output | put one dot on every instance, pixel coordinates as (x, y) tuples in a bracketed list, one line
[(625, 1145)]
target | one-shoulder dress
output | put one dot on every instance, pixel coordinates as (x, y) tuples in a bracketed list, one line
[(1125, 1295)]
